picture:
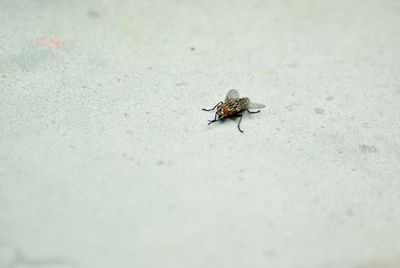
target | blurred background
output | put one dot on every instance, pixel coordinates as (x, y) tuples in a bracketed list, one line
[(106, 159)]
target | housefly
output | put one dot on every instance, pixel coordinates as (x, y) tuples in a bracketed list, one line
[(233, 107)]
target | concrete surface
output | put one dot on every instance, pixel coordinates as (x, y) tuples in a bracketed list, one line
[(106, 159)]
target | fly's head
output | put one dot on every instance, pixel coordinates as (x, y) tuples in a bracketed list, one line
[(222, 111)]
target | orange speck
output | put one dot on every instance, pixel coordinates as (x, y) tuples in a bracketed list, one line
[(268, 71), (226, 111)]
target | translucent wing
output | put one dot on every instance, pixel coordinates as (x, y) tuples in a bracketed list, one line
[(232, 94), (253, 105)]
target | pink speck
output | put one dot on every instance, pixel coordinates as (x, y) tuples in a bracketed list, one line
[(26, 126), (291, 109), (49, 41), (120, 72)]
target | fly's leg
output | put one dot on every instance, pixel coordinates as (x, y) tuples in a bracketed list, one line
[(240, 120), (250, 112), (212, 121), (207, 110), (215, 117)]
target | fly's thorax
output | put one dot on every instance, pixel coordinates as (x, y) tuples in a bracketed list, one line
[(232, 106), (237, 105)]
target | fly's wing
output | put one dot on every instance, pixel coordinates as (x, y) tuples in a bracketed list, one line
[(232, 94), (253, 105)]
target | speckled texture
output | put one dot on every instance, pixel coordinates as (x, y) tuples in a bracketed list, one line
[(106, 159)]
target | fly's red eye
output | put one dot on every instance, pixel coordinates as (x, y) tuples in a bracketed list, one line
[(225, 110)]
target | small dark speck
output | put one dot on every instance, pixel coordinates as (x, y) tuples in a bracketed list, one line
[(92, 13), (126, 114), (319, 110), (181, 84), (159, 163), (366, 125), (270, 253), (330, 98), (192, 49), (349, 212), (365, 148)]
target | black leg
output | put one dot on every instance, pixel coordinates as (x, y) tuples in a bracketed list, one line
[(240, 120), (212, 121), (250, 112), (212, 108)]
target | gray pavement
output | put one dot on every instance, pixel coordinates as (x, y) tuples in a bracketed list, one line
[(106, 159)]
